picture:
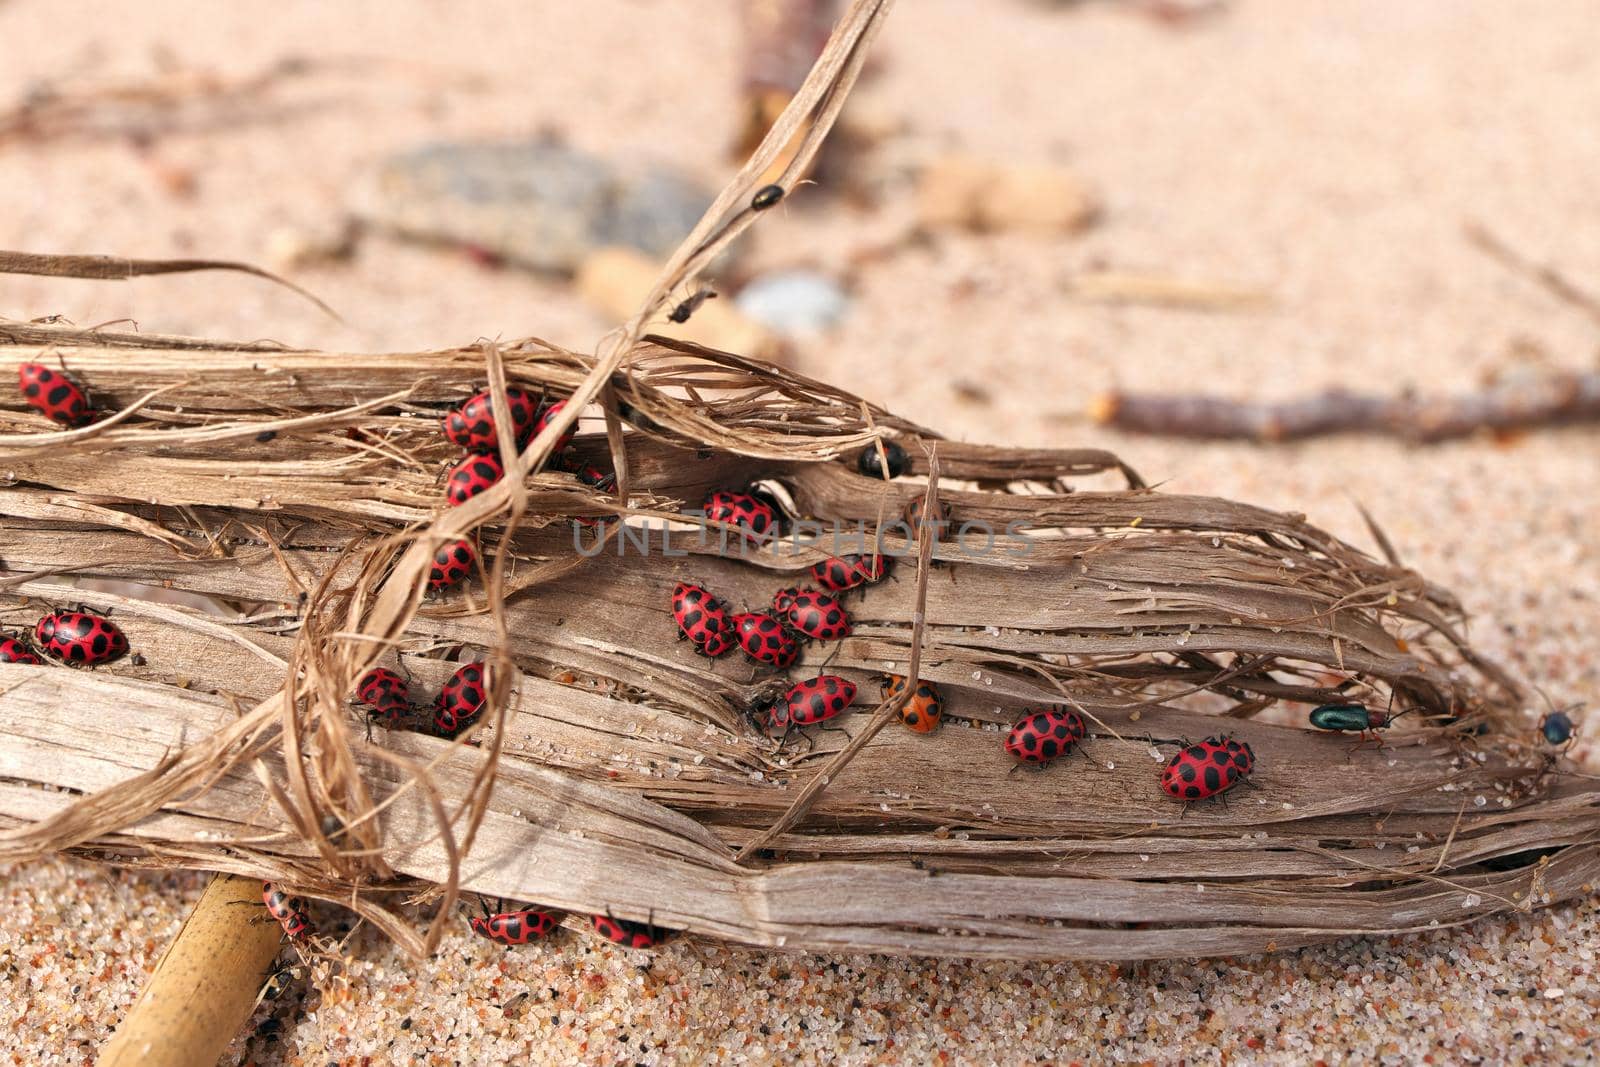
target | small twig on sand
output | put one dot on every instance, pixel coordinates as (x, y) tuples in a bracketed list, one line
[(1551, 279), (1556, 400)]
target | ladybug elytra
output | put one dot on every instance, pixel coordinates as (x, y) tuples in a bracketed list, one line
[(472, 476), (938, 518), (814, 700), (816, 615), (764, 639), (471, 426), (461, 700), (702, 619), (383, 690), (741, 509), (923, 710), (451, 564), (514, 927), (838, 574), (288, 910), (1206, 769), (54, 395), (544, 420), (625, 933), (1045, 734), (14, 651), (79, 637)]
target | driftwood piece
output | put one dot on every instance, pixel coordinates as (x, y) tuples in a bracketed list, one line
[(614, 770)]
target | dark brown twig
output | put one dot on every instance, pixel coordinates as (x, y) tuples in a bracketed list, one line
[(1557, 400)]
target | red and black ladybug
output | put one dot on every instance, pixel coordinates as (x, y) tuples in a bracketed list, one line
[(14, 651), (381, 687), (545, 418), (461, 700), (1203, 770), (514, 927), (451, 564), (813, 700), (471, 426), (764, 639), (289, 911), (923, 710), (816, 615), (741, 509), (79, 637), (54, 395), (625, 933), (472, 476), (702, 619), (1045, 734), (938, 518), (603, 481), (837, 574)]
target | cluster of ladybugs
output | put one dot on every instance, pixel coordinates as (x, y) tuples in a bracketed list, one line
[(522, 925), (508, 928), (773, 636), (471, 427), (387, 696), (72, 636)]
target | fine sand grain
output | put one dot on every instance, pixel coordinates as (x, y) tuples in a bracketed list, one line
[(1327, 152)]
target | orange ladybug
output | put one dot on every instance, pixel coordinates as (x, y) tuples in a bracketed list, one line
[(924, 711)]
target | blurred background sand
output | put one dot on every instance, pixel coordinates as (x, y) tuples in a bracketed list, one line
[(1324, 153)]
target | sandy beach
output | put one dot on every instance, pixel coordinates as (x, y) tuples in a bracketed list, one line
[(1326, 155)]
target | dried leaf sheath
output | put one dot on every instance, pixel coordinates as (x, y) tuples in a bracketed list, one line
[(630, 786)]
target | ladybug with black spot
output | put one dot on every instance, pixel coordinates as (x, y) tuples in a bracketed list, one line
[(923, 710), (290, 911), (514, 927), (601, 481), (813, 700), (461, 700), (815, 615), (838, 574), (744, 510), (938, 518), (625, 933), (764, 638), (382, 690), (471, 426), (702, 620), (1207, 769), (14, 651), (783, 598), (79, 638), (471, 476), (55, 395), (451, 565), (545, 418), (1044, 735)]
